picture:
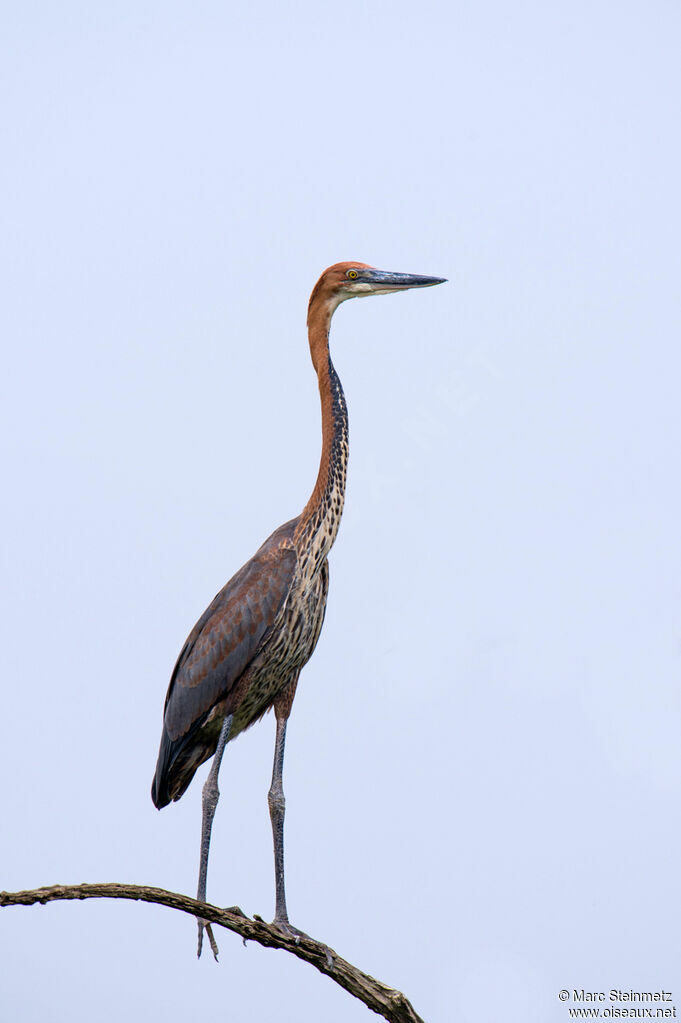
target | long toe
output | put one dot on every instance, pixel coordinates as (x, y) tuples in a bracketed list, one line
[(290, 931), (294, 932), (203, 926)]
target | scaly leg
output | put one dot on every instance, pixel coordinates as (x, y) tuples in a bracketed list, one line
[(211, 794), (277, 804)]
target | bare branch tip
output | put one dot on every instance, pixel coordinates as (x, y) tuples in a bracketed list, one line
[(381, 999)]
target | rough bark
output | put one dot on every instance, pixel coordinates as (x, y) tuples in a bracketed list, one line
[(378, 997)]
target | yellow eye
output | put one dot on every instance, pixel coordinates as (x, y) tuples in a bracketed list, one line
[(352, 274)]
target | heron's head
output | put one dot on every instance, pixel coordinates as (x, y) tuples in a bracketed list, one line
[(356, 280)]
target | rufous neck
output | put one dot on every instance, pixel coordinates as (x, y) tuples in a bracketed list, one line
[(319, 315), (321, 515)]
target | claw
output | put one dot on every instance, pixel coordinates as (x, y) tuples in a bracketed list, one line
[(213, 943), (203, 925), (289, 931)]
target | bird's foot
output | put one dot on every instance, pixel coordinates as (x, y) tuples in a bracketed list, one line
[(289, 930), (204, 925), (236, 911), (284, 927)]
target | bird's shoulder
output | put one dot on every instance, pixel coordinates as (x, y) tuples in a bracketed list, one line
[(234, 625)]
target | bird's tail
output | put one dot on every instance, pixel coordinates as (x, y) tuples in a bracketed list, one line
[(178, 760), (160, 794)]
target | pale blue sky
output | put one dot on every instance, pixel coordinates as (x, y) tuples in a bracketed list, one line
[(483, 773)]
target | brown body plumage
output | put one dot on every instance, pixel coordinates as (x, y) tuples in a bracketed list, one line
[(263, 626), (245, 653)]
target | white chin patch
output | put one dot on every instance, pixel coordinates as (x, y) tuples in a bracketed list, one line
[(359, 289), (363, 288)]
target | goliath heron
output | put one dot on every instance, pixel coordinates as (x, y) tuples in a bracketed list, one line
[(246, 651)]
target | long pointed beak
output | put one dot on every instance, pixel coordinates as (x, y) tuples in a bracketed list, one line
[(381, 280)]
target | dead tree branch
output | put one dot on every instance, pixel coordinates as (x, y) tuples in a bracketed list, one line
[(378, 997)]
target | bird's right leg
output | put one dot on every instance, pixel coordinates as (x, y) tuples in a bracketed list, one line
[(211, 794), (277, 804)]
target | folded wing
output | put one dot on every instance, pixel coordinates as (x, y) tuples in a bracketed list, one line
[(219, 649)]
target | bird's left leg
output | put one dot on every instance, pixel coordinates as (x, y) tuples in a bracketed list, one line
[(211, 794), (275, 798), (277, 804)]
